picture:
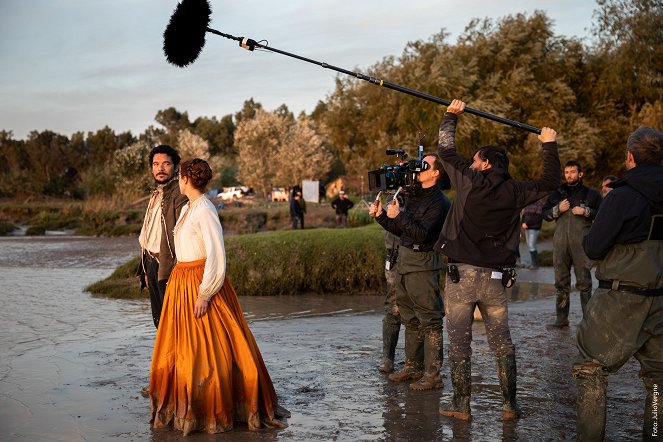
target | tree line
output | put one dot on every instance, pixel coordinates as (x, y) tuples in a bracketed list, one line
[(593, 93)]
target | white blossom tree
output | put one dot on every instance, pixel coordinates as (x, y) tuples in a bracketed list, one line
[(275, 150)]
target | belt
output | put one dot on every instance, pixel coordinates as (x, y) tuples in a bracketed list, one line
[(616, 285), (152, 255), (419, 247)]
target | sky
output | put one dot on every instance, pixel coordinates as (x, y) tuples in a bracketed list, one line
[(80, 65)]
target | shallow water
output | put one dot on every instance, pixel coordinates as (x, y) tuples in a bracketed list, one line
[(72, 365)]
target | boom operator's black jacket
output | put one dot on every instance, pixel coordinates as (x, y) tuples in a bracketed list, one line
[(419, 224), (483, 226)]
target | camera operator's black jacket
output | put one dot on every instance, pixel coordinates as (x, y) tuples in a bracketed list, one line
[(483, 226), (419, 224)]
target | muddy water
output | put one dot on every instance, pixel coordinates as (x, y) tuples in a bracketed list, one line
[(71, 365)]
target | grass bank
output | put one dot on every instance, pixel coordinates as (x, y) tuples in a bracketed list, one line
[(98, 219), (286, 262)]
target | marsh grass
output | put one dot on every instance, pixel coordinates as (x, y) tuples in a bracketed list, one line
[(286, 262)]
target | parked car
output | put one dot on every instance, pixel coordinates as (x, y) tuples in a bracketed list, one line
[(279, 194), (231, 193)]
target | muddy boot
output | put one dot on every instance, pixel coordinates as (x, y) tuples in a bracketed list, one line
[(592, 383), (507, 373), (584, 299), (389, 340), (651, 431), (461, 379), (414, 357), (433, 358), (535, 260), (562, 309)]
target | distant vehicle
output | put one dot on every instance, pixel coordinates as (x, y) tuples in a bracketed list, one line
[(231, 193), (279, 194)]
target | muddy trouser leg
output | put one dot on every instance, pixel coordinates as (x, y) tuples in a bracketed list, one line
[(493, 307), (582, 268), (156, 300), (414, 344), (433, 358), (391, 323), (459, 307), (592, 383), (616, 326), (562, 264), (424, 290), (650, 357)]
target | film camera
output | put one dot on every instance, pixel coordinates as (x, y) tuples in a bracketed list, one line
[(392, 176)]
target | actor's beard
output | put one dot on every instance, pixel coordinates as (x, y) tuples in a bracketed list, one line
[(164, 181), (573, 183)]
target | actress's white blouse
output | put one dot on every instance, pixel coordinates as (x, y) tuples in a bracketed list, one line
[(198, 235)]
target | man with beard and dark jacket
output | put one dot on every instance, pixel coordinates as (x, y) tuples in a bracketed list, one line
[(573, 207), (418, 223), (156, 235), (480, 237), (624, 318)]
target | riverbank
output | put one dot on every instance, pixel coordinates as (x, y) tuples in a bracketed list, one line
[(72, 365)]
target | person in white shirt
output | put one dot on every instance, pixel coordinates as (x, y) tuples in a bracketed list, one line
[(207, 371), (156, 235)]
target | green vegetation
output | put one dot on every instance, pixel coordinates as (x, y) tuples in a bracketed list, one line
[(121, 284), (593, 92), (287, 262)]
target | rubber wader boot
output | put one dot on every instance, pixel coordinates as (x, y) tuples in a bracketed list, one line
[(562, 309), (592, 383), (535, 260), (584, 299), (414, 357), (433, 358), (389, 340), (461, 379), (507, 373)]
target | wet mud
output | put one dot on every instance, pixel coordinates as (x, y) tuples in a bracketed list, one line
[(72, 365)]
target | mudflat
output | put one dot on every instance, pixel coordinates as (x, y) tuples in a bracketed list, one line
[(72, 365)]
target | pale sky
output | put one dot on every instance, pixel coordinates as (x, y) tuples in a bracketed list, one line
[(79, 65)]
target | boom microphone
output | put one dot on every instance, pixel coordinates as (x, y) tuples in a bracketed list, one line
[(184, 38)]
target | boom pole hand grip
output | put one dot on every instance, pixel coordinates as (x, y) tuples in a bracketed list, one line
[(184, 38)]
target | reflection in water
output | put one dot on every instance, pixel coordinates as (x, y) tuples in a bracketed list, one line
[(528, 291)]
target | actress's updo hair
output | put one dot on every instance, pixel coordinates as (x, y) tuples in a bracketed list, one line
[(197, 171)]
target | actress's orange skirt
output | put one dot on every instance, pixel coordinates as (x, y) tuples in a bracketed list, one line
[(207, 372)]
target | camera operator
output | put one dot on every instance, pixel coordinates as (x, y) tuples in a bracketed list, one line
[(418, 221), (624, 317), (480, 238)]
